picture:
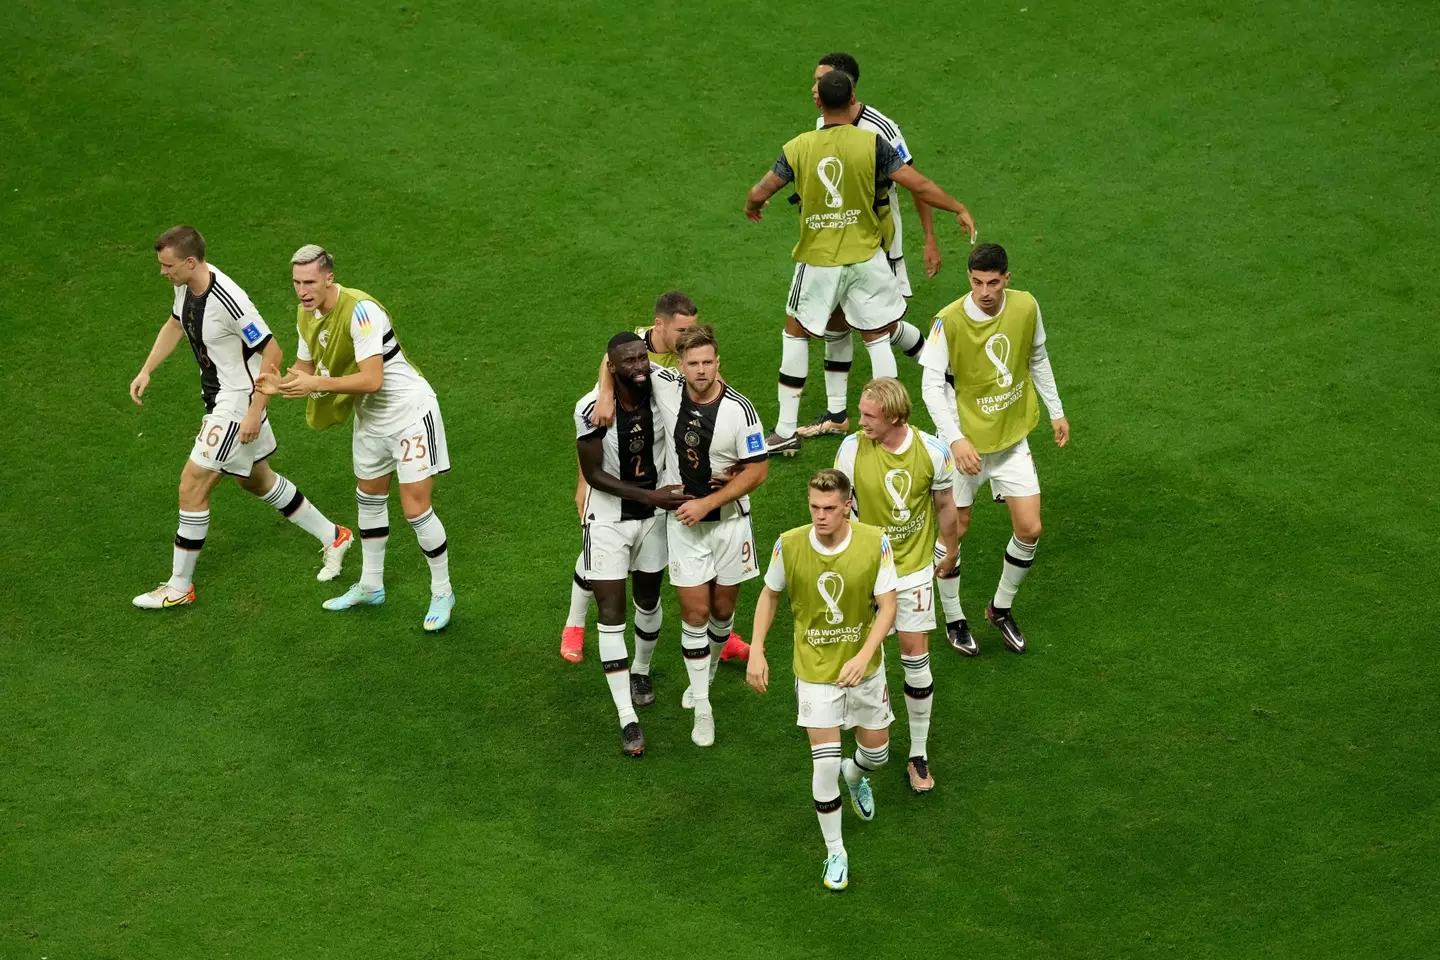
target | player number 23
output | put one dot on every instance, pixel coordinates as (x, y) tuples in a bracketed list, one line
[(413, 447)]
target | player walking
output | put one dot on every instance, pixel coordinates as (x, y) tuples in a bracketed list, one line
[(902, 480), (841, 578), (232, 345), (713, 430), (350, 360), (624, 528), (840, 173), (991, 343), (839, 340)]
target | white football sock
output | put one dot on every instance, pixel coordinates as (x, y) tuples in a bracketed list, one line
[(292, 504), (617, 670), (794, 365), (1019, 555), (919, 688), (865, 762), (647, 634), (882, 358), (950, 589), (189, 538), (580, 596), (825, 789), (907, 338), (719, 634), (839, 355), (431, 534), (695, 647), (373, 525)]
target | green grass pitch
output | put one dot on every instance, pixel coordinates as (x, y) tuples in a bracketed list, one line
[(1222, 743)]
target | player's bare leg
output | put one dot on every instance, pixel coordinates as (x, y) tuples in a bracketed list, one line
[(647, 633), (794, 367), (280, 493), (825, 751), (919, 690), (610, 603), (372, 509), (1019, 555), (957, 630), (695, 647), (839, 356), (196, 485), (430, 532)]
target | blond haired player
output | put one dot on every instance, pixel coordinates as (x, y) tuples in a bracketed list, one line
[(231, 344), (841, 579), (902, 479), (991, 343), (350, 361)]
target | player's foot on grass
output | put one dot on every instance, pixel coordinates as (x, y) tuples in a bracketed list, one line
[(778, 446), (356, 596), (334, 553), (735, 649), (632, 740), (862, 798), (165, 596), (642, 689), (919, 773), (1009, 629), (702, 734), (836, 875), (438, 616), (961, 639), (826, 423), (572, 644)]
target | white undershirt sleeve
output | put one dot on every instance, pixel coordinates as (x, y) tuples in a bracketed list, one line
[(302, 349), (942, 410), (1042, 373), (775, 575)]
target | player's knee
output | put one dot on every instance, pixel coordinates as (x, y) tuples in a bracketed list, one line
[(1028, 531), (913, 644)]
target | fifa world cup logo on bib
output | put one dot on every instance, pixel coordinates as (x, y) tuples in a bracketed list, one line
[(997, 348), (832, 587), (897, 484), (830, 170)]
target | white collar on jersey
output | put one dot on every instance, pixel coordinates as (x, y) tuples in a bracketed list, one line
[(820, 548)]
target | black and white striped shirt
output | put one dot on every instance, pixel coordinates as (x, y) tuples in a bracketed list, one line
[(226, 334)]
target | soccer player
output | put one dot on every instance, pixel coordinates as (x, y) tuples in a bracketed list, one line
[(841, 578), (839, 342), (991, 344), (713, 430), (840, 173), (231, 344), (624, 529), (350, 360), (902, 480)]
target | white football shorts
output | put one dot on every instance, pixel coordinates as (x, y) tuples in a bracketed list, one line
[(1011, 473), (869, 292), (824, 705), (616, 548), (411, 454), (218, 448), (720, 550)]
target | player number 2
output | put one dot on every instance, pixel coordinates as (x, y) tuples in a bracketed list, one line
[(413, 447)]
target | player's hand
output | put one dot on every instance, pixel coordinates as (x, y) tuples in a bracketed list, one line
[(604, 413), (268, 382), (757, 671), (250, 427), (932, 257), (297, 385), (852, 673), (1061, 427), (719, 480), (693, 512), (965, 456), (670, 498), (967, 223), (947, 564), (137, 387), (755, 213)]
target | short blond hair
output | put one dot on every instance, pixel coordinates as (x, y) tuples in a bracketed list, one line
[(700, 335), (313, 253), (831, 480), (892, 396)]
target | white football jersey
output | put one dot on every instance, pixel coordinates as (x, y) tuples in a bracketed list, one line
[(226, 334), (707, 439), (404, 395), (634, 451)]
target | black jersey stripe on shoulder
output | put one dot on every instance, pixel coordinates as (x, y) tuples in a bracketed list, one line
[(883, 123), (751, 417), (227, 299)]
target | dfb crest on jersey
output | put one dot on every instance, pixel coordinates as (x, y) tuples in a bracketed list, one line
[(637, 444), (692, 439)]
